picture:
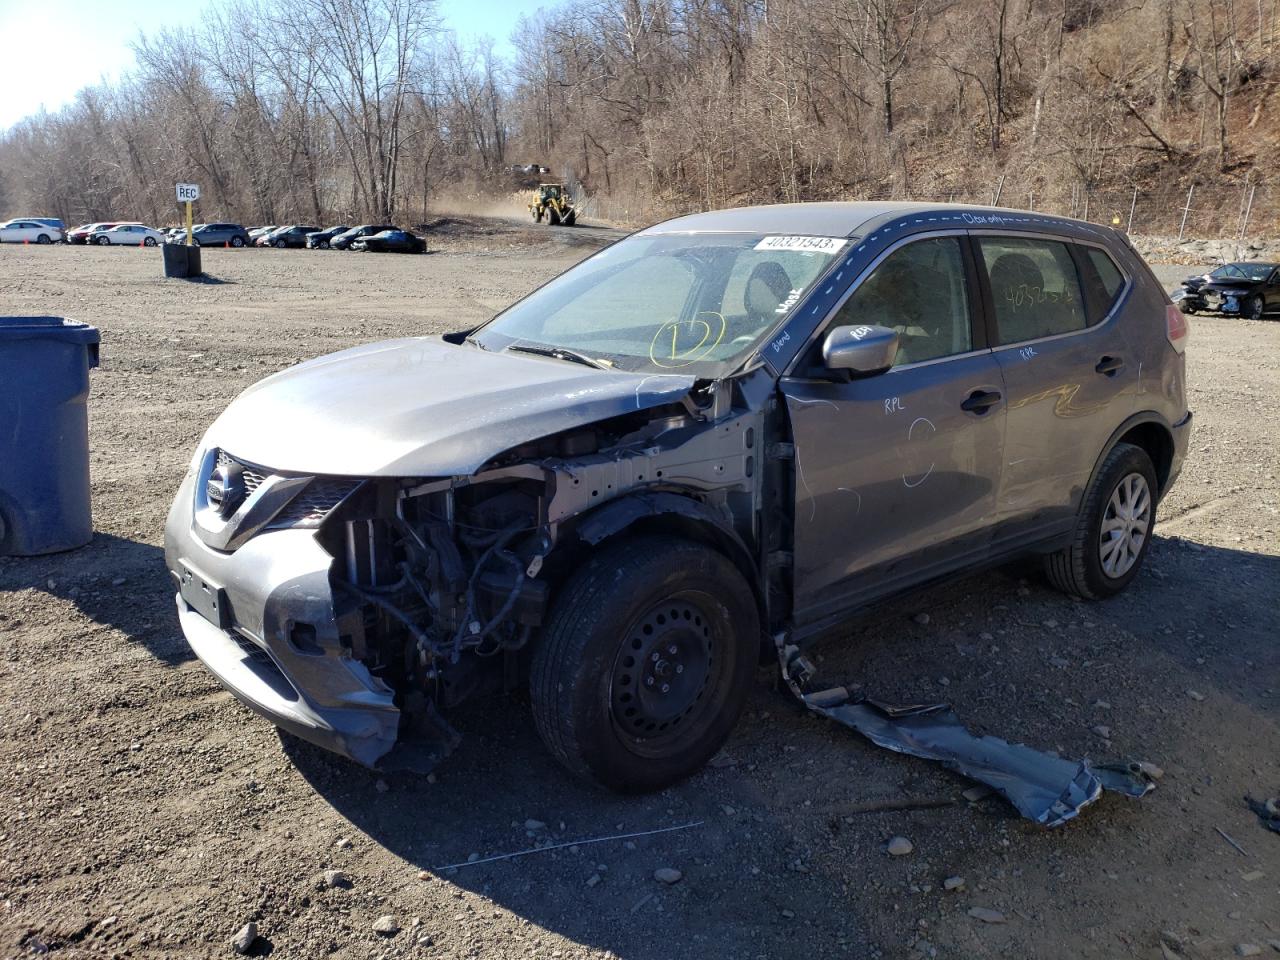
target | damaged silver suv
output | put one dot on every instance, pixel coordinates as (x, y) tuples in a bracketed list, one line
[(713, 439)]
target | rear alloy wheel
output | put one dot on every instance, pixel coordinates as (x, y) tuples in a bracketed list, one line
[(1113, 531), (645, 663), (1252, 308)]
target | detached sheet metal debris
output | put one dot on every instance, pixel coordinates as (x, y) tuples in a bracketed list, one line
[(1047, 789)]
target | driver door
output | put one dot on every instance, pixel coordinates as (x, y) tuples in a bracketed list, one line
[(896, 474)]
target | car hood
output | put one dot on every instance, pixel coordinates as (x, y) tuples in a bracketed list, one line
[(1229, 284), (421, 407)]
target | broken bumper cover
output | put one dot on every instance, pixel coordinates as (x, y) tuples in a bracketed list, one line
[(240, 612), (1044, 788)]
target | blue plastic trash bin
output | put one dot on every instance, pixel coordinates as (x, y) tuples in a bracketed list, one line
[(44, 434)]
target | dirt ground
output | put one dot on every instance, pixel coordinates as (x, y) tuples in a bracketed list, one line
[(147, 814)]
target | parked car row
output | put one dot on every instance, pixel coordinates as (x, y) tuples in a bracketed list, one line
[(370, 237)]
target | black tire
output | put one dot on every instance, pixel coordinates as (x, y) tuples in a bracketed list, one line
[(149, 241), (237, 242), (1078, 568), (537, 216), (324, 244), (571, 219), (1252, 308), (609, 707), (103, 242), (553, 218), (43, 238), (279, 244)]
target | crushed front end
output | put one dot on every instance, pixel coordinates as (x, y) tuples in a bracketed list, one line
[(355, 612)]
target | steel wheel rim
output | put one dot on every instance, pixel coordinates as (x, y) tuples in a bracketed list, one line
[(1125, 525), (673, 645)]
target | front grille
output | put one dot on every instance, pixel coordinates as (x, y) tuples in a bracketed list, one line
[(314, 503), (252, 478), (309, 507)]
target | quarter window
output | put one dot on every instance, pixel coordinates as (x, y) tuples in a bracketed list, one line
[(1102, 279), (1034, 286), (918, 290)]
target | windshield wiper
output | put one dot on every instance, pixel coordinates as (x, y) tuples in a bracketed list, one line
[(558, 353)]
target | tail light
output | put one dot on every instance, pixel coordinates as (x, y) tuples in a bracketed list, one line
[(1177, 328)]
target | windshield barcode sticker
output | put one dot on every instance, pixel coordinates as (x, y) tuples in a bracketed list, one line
[(827, 245)]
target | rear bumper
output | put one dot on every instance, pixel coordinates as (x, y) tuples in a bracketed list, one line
[(1181, 439), (275, 582)]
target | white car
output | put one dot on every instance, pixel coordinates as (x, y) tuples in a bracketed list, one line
[(28, 231), (128, 234)]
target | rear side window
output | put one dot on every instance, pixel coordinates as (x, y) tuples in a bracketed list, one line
[(1035, 288), (1102, 280)]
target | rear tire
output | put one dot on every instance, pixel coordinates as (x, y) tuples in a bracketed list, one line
[(1099, 562), (645, 663)]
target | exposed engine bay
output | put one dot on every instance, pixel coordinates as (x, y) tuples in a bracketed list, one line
[(438, 586)]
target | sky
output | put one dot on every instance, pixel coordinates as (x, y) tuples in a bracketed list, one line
[(53, 48)]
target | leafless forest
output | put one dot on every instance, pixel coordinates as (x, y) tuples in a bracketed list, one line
[(323, 110)]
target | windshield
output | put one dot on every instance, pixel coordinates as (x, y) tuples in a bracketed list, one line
[(1242, 271), (696, 303)]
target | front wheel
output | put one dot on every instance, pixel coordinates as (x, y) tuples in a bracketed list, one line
[(1252, 308), (237, 242), (279, 244), (324, 244), (1113, 530), (103, 242), (149, 242), (43, 238), (645, 663)]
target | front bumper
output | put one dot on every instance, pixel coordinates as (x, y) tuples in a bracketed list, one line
[(304, 682)]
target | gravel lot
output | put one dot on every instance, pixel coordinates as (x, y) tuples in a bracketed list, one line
[(147, 814)]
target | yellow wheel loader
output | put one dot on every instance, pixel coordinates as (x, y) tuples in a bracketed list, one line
[(553, 203)]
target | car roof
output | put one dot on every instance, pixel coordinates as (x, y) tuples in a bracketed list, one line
[(840, 219)]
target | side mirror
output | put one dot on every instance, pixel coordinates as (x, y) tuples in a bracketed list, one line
[(862, 350)]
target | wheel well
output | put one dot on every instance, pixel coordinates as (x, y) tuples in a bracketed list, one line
[(1158, 444), (574, 551)]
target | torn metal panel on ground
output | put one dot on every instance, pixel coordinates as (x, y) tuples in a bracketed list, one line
[(1043, 787)]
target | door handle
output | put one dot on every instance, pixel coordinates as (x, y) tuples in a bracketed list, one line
[(980, 401), (1110, 366)]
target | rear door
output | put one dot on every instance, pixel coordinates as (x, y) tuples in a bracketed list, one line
[(896, 475), (1071, 377)]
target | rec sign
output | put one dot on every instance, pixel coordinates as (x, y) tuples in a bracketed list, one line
[(187, 192)]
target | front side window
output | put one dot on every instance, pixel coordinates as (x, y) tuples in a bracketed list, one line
[(920, 291), (682, 303), (1034, 286)]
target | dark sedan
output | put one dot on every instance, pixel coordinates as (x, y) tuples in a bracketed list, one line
[(292, 236), (1249, 290), (320, 239), (344, 240), (391, 241)]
